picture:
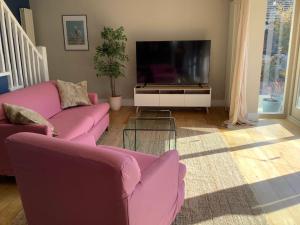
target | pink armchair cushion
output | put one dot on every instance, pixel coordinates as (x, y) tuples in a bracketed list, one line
[(144, 160), (73, 122), (42, 98)]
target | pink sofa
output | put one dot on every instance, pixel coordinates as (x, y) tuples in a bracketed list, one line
[(82, 124), (94, 185)]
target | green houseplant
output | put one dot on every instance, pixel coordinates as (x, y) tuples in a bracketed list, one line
[(110, 60)]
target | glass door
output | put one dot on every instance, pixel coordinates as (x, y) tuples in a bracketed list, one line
[(275, 56), (296, 98)]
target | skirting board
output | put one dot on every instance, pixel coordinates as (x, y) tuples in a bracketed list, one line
[(294, 120), (130, 102), (253, 117)]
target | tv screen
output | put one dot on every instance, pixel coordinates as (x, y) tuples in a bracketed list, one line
[(173, 62)]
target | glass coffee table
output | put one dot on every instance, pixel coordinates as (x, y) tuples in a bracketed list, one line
[(150, 129)]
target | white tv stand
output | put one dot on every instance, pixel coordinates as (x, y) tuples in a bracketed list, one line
[(172, 96)]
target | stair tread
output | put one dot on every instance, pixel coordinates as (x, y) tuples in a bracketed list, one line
[(3, 74), (16, 88)]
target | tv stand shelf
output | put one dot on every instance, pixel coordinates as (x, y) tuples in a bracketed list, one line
[(172, 96)]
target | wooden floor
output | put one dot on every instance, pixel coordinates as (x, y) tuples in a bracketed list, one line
[(267, 155)]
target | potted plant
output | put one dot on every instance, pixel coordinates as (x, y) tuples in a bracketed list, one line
[(110, 60), (273, 103)]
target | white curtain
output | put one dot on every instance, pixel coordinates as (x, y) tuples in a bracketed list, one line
[(238, 103)]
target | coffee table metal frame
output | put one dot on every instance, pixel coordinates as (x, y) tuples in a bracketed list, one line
[(145, 118)]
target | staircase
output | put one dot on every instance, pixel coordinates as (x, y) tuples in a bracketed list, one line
[(21, 61)]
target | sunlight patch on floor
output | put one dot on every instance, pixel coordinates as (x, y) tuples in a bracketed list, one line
[(256, 134)]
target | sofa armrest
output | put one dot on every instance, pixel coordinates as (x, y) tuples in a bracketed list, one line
[(7, 129), (158, 189), (164, 168), (93, 98)]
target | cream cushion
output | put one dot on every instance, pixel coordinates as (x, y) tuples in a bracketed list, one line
[(21, 115), (73, 94)]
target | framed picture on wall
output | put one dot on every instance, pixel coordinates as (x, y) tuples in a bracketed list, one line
[(75, 32)]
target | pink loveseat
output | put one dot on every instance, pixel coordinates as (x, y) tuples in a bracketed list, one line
[(62, 182), (82, 124)]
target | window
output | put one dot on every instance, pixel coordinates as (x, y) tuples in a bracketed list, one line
[(275, 55)]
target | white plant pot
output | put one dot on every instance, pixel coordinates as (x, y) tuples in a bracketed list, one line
[(115, 103)]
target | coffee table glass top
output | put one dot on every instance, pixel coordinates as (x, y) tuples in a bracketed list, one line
[(153, 126), (152, 120)]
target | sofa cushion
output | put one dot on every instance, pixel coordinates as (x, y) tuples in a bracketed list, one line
[(42, 98), (24, 116), (73, 94), (74, 122), (69, 126)]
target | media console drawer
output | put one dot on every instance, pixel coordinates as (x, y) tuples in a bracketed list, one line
[(193, 100), (146, 100), (171, 100)]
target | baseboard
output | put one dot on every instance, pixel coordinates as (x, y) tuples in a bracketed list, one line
[(253, 116), (294, 120), (130, 102), (218, 103)]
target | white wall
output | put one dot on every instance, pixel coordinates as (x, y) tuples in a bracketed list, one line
[(143, 20)]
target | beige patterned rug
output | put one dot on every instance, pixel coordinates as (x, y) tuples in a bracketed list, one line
[(216, 193)]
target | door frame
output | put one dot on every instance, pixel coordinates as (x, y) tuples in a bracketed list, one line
[(294, 65), (296, 88), (291, 68)]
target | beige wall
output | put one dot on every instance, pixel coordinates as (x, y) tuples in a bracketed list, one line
[(143, 20)]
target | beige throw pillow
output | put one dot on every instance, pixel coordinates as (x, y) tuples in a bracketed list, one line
[(73, 94), (21, 115)]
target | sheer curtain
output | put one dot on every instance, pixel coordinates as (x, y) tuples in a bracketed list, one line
[(238, 104)]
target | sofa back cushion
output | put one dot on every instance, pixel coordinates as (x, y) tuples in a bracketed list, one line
[(42, 98)]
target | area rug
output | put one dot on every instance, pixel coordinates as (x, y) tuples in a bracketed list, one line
[(216, 193)]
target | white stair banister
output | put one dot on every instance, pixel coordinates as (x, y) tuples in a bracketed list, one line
[(44, 63), (2, 63), (6, 57), (18, 55), (33, 66), (12, 51), (25, 63)]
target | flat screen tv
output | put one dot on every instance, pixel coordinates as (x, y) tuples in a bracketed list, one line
[(173, 62)]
